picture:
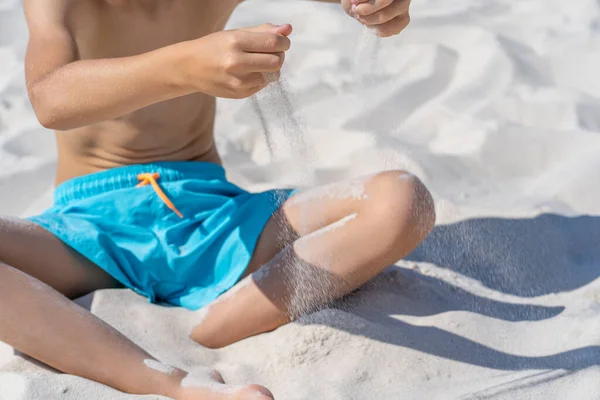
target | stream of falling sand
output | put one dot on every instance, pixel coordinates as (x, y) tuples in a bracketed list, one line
[(275, 109), (286, 138), (366, 56), (284, 134)]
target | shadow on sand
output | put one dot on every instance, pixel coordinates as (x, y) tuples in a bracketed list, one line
[(521, 257)]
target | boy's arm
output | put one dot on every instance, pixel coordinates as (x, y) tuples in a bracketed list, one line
[(67, 92)]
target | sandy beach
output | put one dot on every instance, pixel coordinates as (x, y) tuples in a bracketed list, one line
[(495, 105)]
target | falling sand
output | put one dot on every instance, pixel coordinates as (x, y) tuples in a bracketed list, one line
[(283, 131), (286, 136), (366, 56)]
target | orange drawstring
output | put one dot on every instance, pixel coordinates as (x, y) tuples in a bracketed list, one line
[(150, 179)]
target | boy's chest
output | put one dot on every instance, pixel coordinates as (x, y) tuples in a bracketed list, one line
[(117, 28)]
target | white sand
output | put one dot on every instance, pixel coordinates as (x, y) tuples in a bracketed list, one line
[(495, 104)]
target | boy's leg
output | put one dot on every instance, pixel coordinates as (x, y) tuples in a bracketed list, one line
[(37, 320), (323, 244), (33, 250)]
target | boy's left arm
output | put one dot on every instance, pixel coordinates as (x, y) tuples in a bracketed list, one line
[(385, 17)]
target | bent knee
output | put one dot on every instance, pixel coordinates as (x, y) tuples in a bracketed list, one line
[(401, 204)]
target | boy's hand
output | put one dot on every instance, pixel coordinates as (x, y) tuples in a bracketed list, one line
[(237, 63), (386, 17)]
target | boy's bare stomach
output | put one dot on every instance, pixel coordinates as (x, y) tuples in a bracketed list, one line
[(175, 130)]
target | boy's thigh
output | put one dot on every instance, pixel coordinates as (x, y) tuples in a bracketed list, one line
[(305, 212), (30, 248)]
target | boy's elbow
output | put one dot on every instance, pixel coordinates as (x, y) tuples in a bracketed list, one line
[(46, 119), (46, 108)]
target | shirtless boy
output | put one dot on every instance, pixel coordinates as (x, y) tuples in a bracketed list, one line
[(142, 201)]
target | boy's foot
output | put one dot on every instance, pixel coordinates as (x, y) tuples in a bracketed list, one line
[(211, 387)]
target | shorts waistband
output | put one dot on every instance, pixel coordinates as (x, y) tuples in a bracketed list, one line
[(127, 177)]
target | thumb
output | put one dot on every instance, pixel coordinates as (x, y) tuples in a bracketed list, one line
[(285, 29)]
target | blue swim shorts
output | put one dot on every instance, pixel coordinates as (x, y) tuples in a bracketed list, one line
[(175, 232)]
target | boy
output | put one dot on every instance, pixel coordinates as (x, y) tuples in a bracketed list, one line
[(142, 201)]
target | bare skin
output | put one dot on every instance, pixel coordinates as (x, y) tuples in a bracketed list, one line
[(127, 82), (320, 246)]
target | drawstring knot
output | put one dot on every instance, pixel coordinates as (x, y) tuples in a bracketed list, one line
[(150, 179)]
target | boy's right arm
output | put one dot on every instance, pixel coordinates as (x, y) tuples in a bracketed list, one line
[(67, 92)]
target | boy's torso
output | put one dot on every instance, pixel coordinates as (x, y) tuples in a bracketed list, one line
[(175, 130)]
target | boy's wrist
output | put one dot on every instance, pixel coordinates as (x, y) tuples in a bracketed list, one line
[(173, 68)]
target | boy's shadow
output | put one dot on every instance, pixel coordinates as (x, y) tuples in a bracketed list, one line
[(520, 257)]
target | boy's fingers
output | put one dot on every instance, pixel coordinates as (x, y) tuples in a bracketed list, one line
[(372, 6), (257, 80), (258, 62), (255, 42), (397, 8), (260, 28), (393, 27), (285, 29)]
